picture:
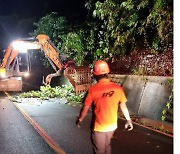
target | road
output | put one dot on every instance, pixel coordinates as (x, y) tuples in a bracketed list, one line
[(58, 120), (17, 136)]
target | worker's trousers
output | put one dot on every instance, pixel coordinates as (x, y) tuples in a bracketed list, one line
[(102, 142)]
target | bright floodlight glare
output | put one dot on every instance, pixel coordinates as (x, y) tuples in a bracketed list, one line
[(19, 46), (2, 75), (26, 74), (23, 46)]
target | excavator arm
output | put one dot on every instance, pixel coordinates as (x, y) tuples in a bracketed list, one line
[(76, 75), (50, 50), (52, 54), (41, 42)]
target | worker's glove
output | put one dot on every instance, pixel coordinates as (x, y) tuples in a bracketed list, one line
[(129, 125), (78, 123)]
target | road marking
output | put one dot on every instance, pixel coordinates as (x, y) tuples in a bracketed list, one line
[(38, 128)]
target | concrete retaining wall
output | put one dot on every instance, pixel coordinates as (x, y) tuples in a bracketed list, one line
[(147, 95)]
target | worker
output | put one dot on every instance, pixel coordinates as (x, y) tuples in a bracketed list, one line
[(105, 97)]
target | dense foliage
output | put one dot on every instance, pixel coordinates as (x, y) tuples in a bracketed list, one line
[(113, 27), (129, 24), (167, 113), (52, 25)]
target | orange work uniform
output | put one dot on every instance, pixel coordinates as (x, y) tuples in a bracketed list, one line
[(106, 97)]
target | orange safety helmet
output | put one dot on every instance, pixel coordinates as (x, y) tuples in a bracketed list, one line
[(100, 67)]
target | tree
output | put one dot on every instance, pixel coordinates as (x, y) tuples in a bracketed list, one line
[(117, 27), (127, 25), (160, 22), (54, 26), (73, 47), (69, 39)]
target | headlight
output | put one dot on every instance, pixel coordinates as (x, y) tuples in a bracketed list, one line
[(2, 72), (26, 74)]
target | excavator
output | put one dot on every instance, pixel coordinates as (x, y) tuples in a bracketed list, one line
[(16, 65)]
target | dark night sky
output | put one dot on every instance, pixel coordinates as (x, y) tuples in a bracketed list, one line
[(30, 11), (38, 8)]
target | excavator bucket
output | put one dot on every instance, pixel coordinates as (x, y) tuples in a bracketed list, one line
[(79, 77), (11, 84)]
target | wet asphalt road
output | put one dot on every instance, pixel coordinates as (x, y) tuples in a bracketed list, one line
[(58, 120), (17, 136)]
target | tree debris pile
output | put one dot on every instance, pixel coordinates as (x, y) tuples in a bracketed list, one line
[(47, 92)]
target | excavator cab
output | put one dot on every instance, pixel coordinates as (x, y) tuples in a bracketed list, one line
[(24, 63), (20, 65)]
